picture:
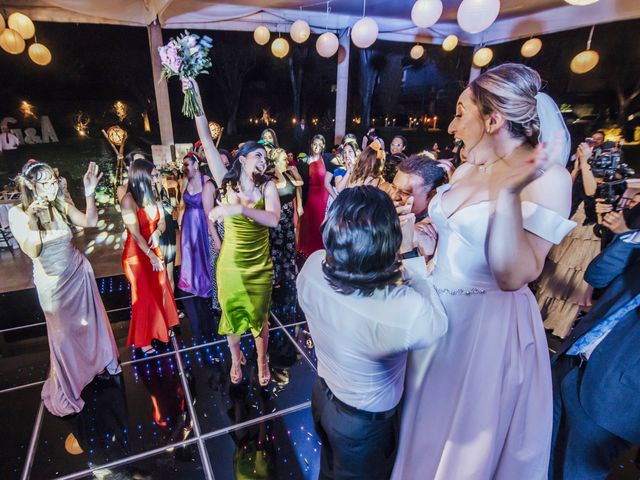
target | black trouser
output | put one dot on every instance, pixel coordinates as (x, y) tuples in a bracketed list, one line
[(355, 444), (200, 318), (12, 162)]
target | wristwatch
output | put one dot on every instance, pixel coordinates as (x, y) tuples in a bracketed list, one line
[(411, 254)]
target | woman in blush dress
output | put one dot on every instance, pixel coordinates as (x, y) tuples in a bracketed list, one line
[(81, 342), (479, 405), (153, 308)]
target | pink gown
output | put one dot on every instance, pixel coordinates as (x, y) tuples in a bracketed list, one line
[(478, 405)]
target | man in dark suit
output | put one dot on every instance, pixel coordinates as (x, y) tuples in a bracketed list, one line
[(597, 370), (301, 137)]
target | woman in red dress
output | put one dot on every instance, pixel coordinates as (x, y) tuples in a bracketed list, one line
[(153, 308), (313, 169)]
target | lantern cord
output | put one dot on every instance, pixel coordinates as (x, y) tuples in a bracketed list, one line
[(590, 37), (364, 7)]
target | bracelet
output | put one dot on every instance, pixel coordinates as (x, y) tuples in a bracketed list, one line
[(90, 192)]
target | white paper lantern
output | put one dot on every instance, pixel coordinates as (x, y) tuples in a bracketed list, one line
[(426, 12), (12, 42), (483, 57), (585, 61), (300, 31), (364, 32), (417, 52), (531, 47), (21, 24), (280, 47), (327, 45), (474, 16), (1, 24), (39, 54), (450, 43), (580, 3), (261, 35)]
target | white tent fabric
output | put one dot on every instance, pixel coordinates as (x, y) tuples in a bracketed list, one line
[(518, 18)]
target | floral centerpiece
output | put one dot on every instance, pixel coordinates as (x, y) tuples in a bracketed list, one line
[(186, 56)]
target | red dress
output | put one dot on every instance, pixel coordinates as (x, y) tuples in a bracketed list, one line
[(310, 239), (153, 308)]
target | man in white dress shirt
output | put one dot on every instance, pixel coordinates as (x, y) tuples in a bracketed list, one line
[(365, 310), (9, 147)]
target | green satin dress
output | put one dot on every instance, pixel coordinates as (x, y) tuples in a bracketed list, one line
[(244, 275)]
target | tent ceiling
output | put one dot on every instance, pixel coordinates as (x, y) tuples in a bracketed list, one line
[(518, 18)]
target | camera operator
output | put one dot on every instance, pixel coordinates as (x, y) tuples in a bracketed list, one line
[(623, 219)]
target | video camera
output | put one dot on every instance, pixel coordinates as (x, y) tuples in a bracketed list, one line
[(606, 162)]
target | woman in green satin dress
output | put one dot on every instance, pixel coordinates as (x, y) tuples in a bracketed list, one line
[(250, 206)]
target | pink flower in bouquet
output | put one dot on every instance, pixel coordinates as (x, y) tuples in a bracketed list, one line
[(191, 41)]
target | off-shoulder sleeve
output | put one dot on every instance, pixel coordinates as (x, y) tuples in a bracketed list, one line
[(545, 223)]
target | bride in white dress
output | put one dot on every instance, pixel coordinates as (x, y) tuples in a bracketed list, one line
[(479, 405)]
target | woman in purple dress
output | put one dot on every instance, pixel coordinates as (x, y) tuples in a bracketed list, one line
[(195, 269), (81, 342)]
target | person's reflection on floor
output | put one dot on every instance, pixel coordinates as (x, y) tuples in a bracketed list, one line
[(170, 411)]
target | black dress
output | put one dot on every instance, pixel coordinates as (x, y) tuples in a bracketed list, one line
[(283, 239)]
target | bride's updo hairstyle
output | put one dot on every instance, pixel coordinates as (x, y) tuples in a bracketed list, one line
[(511, 90)]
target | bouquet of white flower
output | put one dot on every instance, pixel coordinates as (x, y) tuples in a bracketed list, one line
[(186, 56)]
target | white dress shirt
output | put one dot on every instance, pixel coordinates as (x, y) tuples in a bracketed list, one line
[(362, 342), (8, 141)]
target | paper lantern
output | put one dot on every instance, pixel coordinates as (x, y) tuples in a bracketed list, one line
[(474, 16), (21, 24), (116, 135), (426, 12), (580, 3), (364, 32), (300, 31), (417, 52), (39, 54), (585, 61), (327, 44), (261, 35), (531, 47), (450, 43), (12, 42), (216, 129), (1, 24), (482, 57), (280, 48)]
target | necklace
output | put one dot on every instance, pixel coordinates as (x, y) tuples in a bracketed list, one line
[(486, 167)]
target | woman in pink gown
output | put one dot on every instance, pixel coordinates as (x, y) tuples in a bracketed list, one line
[(479, 404)]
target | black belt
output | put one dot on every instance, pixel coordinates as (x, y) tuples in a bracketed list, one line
[(354, 411)]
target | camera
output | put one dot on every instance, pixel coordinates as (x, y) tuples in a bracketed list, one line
[(606, 162)]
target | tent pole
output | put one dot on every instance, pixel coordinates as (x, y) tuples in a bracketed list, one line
[(162, 93), (342, 85)]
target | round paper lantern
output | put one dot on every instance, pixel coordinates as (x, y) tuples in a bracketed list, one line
[(426, 12), (531, 47), (327, 44), (482, 57), (216, 129), (585, 61), (1, 24), (261, 35), (21, 24), (300, 31), (12, 42), (280, 47), (417, 52), (580, 3), (474, 16), (450, 43), (364, 32), (39, 54)]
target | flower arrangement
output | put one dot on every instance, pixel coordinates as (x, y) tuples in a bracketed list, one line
[(186, 56)]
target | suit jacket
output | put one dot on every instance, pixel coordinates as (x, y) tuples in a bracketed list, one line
[(610, 388)]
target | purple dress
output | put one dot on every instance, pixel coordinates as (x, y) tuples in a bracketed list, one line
[(195, 271)]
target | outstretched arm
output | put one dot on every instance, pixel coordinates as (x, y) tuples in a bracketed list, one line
[(90, 217)]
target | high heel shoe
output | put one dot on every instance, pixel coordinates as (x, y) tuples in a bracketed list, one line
[(243, 361), (236, 372), (264, 374)]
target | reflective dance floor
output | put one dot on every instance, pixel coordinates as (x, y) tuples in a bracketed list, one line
[(174, 415)]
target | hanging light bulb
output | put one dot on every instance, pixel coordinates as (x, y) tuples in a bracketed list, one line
[(327, 44), (483, 57), (474, 16), (300, 31), (280, 47), (450, 43), (417, 52), (580, 3), (39, 54), (21, 24), (261, 35), (426, 12), (531, 47), (364, 33), (12, 42), (586, 60)]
